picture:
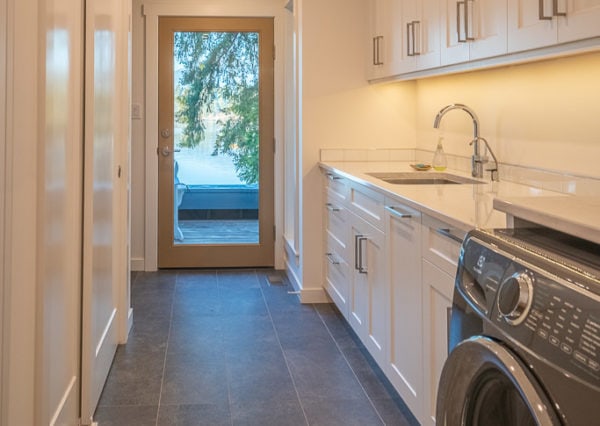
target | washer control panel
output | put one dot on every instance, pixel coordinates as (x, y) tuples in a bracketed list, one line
[(549, 310)]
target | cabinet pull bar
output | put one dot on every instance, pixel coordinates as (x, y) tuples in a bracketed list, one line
[(397, 212), (332, 208), (331, 176), (408, 39), (448, 234), (374, 50), (468, 36), (416, 37), (541, 9), (332, 259), (379, 61), (458, 26), (361, 268), (555, 11), (356, 250)]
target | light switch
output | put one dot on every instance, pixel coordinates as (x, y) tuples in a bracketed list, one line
[(136, 111)]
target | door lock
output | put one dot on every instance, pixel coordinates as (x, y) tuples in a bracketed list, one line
[(166, 151)]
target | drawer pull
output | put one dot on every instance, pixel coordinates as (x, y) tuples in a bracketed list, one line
[(332, 259), (331, 176), (332, 208), (358, 253), (448, 234), (398, 212)]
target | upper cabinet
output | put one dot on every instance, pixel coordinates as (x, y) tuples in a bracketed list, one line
[(404, 37), (411, 36), (472, 30), (533, 25)]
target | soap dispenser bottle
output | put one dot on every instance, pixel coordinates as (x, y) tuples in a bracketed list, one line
[(439, 162)]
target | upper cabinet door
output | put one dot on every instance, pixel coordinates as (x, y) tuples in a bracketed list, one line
[(530, 24), (489, 28), (379, 51), (538, 24), (582, 20), (472, 30)]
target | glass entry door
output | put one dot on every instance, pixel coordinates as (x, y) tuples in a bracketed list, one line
[(215, 153)]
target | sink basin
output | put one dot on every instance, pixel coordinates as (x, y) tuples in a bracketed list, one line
[(418, 178)]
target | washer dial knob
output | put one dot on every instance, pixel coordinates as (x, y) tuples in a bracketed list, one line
[(514, 298)]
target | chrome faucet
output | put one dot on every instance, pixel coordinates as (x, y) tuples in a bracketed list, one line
[(477, 160)]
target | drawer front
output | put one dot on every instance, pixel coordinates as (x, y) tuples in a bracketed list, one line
[(441, 244), (337, 273), (367, 204), (336, 216), (336, 186)]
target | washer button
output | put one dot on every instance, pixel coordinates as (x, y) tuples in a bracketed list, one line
[(554, 340), (580, 357), (593, 365), (566, 348), (542, 333)]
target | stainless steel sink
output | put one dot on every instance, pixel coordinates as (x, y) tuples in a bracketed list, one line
[(420, 178)]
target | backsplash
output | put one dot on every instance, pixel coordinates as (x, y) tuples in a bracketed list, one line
[(544, 179)]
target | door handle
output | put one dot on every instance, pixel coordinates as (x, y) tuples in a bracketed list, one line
[(166, 151)]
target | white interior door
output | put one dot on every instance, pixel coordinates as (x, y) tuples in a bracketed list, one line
[(101, 181), (59, 211)]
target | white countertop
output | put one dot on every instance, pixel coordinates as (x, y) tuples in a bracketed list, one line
[(464, 206), (579, 216)]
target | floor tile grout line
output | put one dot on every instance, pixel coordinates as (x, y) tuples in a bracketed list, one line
[(227, 375), (162, 379), (287, 364), (350, 366)]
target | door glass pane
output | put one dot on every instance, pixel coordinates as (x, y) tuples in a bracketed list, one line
[(216, 130)]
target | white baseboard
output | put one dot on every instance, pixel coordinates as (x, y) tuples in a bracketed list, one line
[(138, 264), (314, 295)]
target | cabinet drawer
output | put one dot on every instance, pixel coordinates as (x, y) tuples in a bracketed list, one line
[(441, 244), (337, 273), (336, 217), (367, 204), (336, 186)]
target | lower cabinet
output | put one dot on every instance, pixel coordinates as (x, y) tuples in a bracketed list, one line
[(437, 289), (390, 270), (405, 354), (369, 290)]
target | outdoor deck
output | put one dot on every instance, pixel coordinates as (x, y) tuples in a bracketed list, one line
[(219, 231)]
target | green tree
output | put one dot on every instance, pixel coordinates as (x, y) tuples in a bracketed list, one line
[(220, 73)]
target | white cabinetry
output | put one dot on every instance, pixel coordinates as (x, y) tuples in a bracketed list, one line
[(337, 235), (440, 248), (472, 30), (419, 24), (404, 366), (380, 50), (538, 24), (369, 288)]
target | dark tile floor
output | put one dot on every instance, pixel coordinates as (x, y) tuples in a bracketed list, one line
[(228, 347)]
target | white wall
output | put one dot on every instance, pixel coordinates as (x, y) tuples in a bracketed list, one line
[(143, 188), (544, 114), (340, 110)]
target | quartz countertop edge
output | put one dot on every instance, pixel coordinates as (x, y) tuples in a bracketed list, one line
[(463, 207), (579, 215)]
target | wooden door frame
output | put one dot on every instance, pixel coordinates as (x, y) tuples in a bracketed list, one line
[(217, 255), (151, 13)]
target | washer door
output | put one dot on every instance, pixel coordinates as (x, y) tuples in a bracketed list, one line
[(482, 383)]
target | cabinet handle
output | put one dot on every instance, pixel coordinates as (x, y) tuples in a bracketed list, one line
[(376, 50), (555, 11), (416, 37), (358, 253), (448, 234), (396, 211), (332, 259), (411, 38), (332, 208), (541, 10), (331, 176), (466, 25)]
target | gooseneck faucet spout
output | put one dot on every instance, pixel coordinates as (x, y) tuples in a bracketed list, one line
[(476, 160)]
